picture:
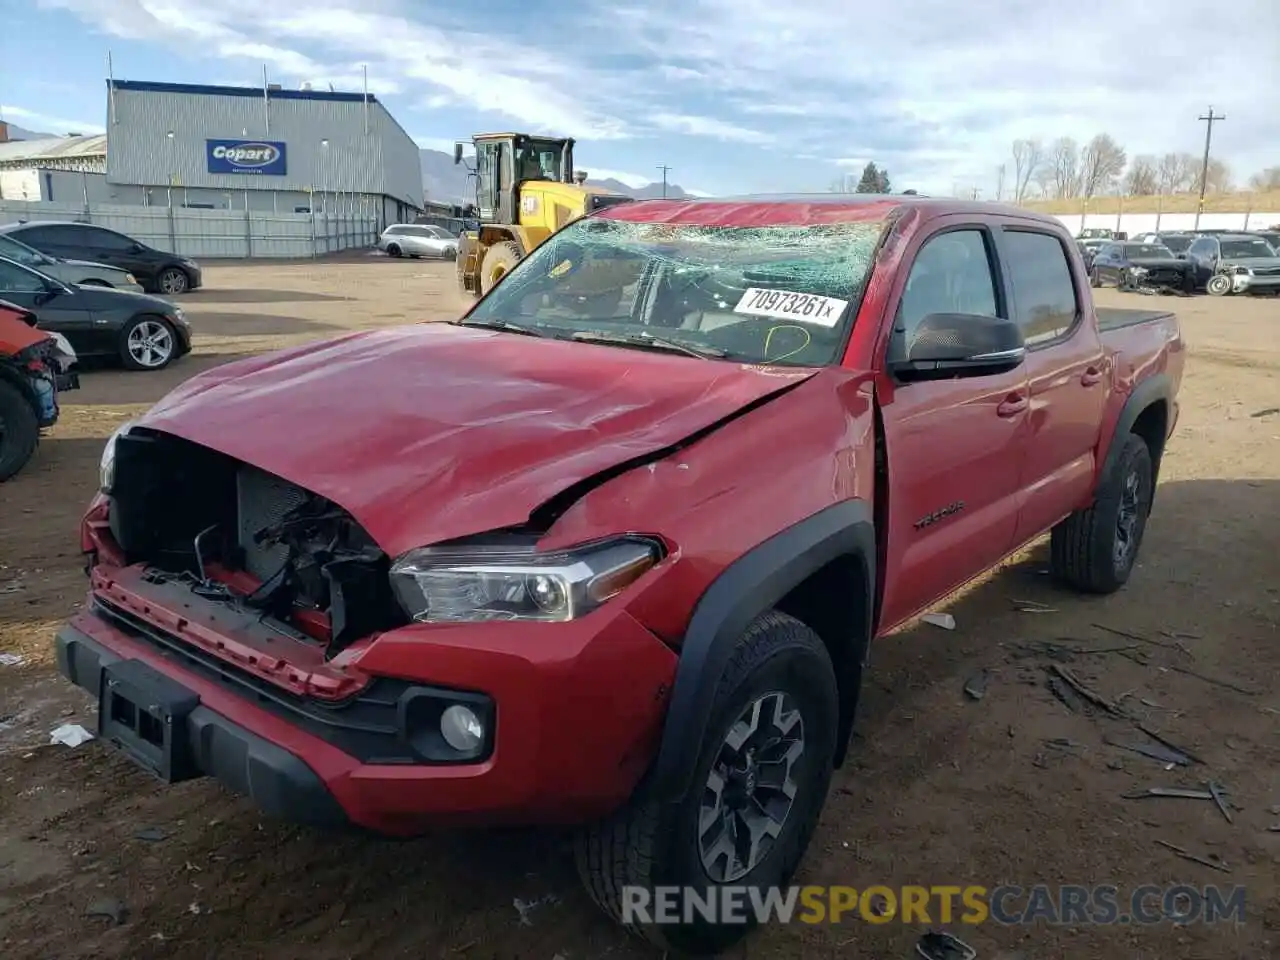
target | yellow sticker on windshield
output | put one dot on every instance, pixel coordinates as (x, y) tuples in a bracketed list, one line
[(561, 268), (786, 305)]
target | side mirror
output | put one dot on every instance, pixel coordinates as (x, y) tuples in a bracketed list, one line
[(457, 153), (136, 248), (946, 345)]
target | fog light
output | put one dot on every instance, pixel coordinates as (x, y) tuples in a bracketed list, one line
[(461, 729)]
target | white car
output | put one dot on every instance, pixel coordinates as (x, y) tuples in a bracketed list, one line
[(418, 240)]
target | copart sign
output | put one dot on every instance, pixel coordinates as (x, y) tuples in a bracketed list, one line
[(263, 157)]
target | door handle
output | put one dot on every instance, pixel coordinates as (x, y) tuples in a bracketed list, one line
[(1013, 405), (1091, 377)]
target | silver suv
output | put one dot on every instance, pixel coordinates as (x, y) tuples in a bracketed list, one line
[(71, 272), (418, 240)]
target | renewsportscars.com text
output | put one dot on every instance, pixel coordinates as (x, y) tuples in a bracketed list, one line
[(1007, 905)]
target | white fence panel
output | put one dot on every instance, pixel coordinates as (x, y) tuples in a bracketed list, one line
[(1133, 223), (212, 234)]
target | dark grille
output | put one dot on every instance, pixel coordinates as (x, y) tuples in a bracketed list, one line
[(262, 500)]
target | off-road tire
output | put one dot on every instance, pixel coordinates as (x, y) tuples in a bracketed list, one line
[(501, 256), (649, 844), (1083, 547), (19, 430)]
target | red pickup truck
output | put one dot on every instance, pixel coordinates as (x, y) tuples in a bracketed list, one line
[(610, 549)]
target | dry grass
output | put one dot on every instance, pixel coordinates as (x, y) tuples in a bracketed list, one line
[(1178, 203)]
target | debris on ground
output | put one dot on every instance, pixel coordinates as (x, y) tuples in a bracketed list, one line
[(1033, 606), (11, 660), (944, 620), (151, 834), (1154, 751), (1179, 793), (1265, 412), (1216, 791), (1216, 681), (70, 734), (1212, 861), (1062, 690), (976, 686), (1079, 687), (526, 907), (108, 907), (943, 946)]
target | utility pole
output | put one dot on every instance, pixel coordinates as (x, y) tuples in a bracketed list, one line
[(1000, 183), (1207, 120), (664, 168)]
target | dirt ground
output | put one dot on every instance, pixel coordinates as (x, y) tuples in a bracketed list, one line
[(1012, 788)]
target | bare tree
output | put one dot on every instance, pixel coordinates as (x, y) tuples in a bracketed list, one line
[(1267, 180), (1101, 164), (1177, 173), (1064, 162), (1028, 158), (1218, 177), (1143, 178)]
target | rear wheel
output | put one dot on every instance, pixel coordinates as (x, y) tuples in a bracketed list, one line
[(498, 262), (147, 343), (19, 430), (763, 772)]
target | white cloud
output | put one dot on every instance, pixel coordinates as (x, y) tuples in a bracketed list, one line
[(633, 180), (932, 90), (43, 122)]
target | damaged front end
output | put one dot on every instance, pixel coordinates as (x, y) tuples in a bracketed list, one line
[(231, 559)]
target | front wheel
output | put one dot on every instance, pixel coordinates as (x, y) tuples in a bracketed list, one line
[(147, 343), (19, 430), (498, 261), (1219, 285), (173, 281), (1094, 279), (1094, 550), (763, 772)]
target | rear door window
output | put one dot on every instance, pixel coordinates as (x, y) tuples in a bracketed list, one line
[(1044, 292)]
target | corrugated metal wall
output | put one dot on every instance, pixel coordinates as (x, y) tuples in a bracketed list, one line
[(212, 233), (385, 161)]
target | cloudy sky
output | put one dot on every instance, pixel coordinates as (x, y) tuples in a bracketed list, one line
[(734, 95)]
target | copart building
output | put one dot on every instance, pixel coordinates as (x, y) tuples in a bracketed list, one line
[(264, 149)]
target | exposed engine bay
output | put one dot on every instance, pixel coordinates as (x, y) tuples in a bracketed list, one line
[(239, 536)]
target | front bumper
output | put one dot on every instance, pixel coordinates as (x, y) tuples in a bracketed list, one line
[(578, 712), (1252, 283)]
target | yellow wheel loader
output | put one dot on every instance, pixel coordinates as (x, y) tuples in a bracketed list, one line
[(526, 190)]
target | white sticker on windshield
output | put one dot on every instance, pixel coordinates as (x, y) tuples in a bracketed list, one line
[(785, 305)]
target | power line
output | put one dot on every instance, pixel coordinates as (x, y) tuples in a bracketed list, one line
[(664, 168), (1208, 120)]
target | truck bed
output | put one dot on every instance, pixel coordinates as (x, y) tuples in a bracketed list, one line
[(1116, 318)]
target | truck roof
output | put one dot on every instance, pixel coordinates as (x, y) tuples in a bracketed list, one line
[(806, 209)]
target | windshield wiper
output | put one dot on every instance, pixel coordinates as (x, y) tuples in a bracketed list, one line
[(649, 340), (498, 325)]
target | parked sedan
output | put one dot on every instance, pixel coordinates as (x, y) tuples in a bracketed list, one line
[(418, 240), (1131, 265), (68, 271), (157, 270), (142, 332)]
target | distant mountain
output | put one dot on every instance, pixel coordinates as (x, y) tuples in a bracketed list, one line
[(445, 182), (21, 133)]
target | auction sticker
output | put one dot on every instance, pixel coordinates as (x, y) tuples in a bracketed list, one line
[(785, 305)]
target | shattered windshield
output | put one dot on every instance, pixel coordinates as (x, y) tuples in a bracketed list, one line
[(777, 295)]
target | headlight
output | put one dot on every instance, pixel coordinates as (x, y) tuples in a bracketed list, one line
[(130, 278), (178, 315), (107, 465), (468, 583), (1241, 271)]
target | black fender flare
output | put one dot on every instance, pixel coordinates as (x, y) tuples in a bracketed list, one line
[(1154, 389), (749, 586)]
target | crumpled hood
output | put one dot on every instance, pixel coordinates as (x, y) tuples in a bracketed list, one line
[(429, 432)]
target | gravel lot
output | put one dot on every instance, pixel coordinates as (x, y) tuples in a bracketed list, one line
[(942, 789)]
